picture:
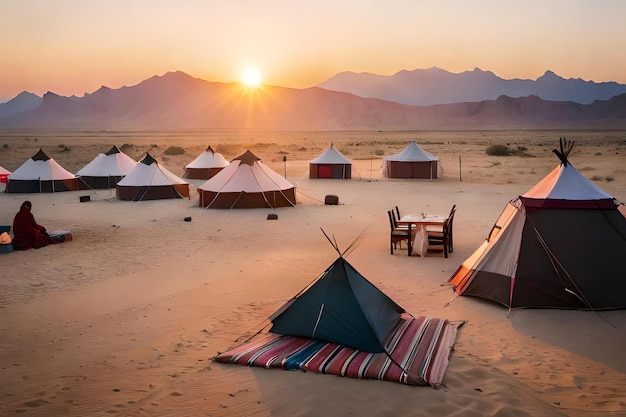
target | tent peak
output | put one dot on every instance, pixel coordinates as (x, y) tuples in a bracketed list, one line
[(148, 159), (566, 147), (247, 158), (40, 156), (113, 150)]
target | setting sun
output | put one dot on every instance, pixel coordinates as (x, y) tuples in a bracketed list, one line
[(251, 77)]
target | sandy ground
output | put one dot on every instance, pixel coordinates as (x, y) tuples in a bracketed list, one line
[(125, 318)]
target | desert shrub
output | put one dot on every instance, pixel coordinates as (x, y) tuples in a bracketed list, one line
[(504, 150), (126, 146), (609, 179), (174, 150), (379, 152), (596, 178), (498, 150)]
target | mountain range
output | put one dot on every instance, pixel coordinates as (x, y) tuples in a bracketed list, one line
[(425, 87), (176, 100)]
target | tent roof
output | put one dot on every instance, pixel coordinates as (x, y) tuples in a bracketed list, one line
[(114, 163), (566, 186), (149, 173), (246, 174), (412, 153), (4, 171), (41, 167), (331, 156), (340, 307), (208, 159)]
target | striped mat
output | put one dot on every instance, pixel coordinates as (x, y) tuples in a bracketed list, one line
[(418, 354)]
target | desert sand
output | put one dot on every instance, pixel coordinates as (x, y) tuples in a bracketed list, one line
[(126, 318)]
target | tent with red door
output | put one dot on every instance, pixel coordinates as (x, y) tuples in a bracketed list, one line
[(330, 164), (41, 174), (562, 244)]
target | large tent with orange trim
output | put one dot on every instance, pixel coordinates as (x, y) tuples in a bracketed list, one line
[(562, 244)]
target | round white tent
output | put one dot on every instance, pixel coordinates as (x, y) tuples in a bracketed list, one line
[(149, 180), (247, 183), (106, 169), (205, 166), (41, 174), (412, 162)]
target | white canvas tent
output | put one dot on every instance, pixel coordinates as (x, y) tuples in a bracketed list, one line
[(330, 164), (106, 169), (412, 162), (247, 183), (205, 166), (41, 174), (149, 180)]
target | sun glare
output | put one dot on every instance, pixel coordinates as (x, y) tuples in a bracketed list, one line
[(251, 77)]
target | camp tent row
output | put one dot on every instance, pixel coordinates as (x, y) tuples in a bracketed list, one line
[(42, 173), (562, 244)]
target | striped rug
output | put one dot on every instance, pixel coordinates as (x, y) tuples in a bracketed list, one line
[(418, 354)]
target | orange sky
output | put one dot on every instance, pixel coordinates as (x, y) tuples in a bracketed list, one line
[(72, 47)]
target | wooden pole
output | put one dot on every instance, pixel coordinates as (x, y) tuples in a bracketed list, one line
[(460, 175)]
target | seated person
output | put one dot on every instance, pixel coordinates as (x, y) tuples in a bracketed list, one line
[(27, 233)]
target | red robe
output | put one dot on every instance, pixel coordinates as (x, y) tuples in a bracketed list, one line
[(27, 233)]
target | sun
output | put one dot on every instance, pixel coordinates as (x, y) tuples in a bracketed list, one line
[(251, 77)]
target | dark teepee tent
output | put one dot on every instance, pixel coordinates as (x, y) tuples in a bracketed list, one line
[(343, 325), (341, 307), (559, 245)]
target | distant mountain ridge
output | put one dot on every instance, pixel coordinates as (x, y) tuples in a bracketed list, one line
[(176, 100), (22, 102), (425, 87)]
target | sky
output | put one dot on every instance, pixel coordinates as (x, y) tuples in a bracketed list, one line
[(73, 47)]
